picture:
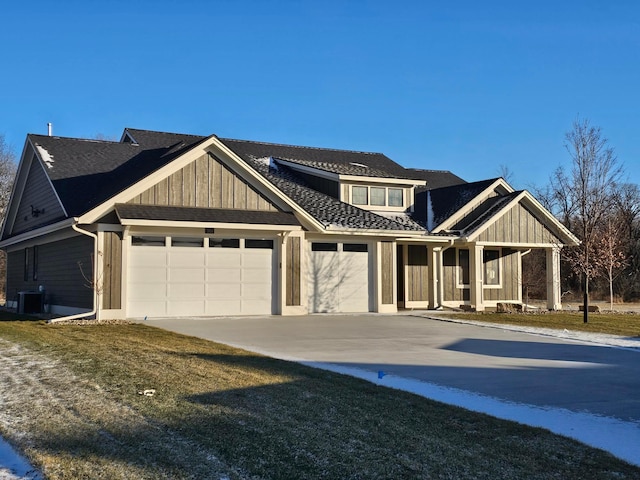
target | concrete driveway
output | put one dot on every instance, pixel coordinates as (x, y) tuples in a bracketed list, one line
[(510, 366)]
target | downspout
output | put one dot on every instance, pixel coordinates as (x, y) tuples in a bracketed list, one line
[(95, 271)]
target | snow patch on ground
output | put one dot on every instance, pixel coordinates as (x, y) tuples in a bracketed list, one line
[(615, 436), (13, 466)]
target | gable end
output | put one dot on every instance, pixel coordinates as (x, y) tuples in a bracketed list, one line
[(207, 183)]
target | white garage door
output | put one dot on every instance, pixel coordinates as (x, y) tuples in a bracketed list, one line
[(196, 277), (338, 277)]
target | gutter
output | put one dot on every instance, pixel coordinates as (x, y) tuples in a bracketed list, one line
[(95, 277)]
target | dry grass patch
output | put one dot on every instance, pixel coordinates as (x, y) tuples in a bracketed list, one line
[(222, 412), (623, 324)]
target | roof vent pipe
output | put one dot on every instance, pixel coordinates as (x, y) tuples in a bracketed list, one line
[(49, 128)]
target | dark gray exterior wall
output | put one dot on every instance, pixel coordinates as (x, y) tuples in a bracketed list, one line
[(57, 270), (39, 194)]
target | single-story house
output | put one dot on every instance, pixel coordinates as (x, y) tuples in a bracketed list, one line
[(169, 225)]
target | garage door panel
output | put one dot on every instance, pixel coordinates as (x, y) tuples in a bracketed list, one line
[(223, 291), (186, 258), (148, 256), (186, 307), (187, 290), (226, 275), (187, 275), (223, 307), (224, 258)]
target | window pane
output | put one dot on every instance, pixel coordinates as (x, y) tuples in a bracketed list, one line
[(250, 243), (187, 242), (491, 260), (463, 265), (359, 196), (395, 197), (377, 196), (148, 241), (224, 243), (324, 247), (355, 247)]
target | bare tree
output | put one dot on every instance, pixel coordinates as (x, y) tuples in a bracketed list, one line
[(7, 173), (505, 172), (610, 250), (585, 194)]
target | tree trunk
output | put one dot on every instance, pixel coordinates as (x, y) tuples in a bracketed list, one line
[(585, 304)]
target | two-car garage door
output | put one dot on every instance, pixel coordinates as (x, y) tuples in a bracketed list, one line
[(172, 277)]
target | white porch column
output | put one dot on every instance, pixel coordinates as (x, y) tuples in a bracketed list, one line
[(554, 301), (434, 259), (475, 277)]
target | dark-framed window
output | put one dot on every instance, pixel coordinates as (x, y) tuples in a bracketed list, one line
[(34, 275), (463, 267), (258, 243), (324, 247), (355, 247), (26, 264), (148, 241), (224, 243), (187, 242)]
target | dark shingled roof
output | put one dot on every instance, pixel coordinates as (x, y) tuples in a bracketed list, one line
[(448, 200), (345, 162), (435, 178), (483, 212), (206, 215), (86, 173)]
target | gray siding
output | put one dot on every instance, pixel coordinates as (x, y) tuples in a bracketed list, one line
[(208, 183), (39, 194), (386, 269), (58, 271), (452, 293), (293, 275), (111, 282), (417, 273), (518, 225), (510, 278)]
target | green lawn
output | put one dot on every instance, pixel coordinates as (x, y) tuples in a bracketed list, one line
[(74, 397), (623, 324)]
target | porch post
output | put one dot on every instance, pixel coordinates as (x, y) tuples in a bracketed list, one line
[(434, 257), (475, 277), (554, 301)]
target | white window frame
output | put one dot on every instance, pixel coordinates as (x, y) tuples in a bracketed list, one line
[(386, 204), (499, 268)]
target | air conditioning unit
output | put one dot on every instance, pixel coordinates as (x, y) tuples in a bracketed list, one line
[(29, 302)]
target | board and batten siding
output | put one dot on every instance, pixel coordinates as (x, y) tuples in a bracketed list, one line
[(509, 272), (64, 269), (518, 225), (386, 270), (292, 275), (111, 281), (206, 182), (39, 194), (452, 292), (417, 274)]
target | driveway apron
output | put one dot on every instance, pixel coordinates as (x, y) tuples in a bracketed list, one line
[(511, 366)]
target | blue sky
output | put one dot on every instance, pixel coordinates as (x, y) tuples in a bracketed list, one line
[(464, 86)]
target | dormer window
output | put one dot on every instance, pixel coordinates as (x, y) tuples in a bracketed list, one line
[(377, 196)]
